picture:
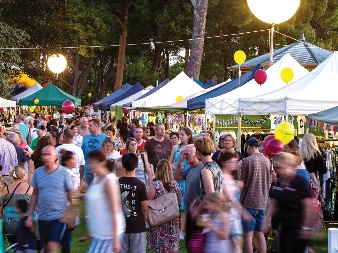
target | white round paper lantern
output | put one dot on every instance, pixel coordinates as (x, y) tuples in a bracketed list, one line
[(57, 63)]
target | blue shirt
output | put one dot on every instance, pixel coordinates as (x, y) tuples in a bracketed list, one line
[(23, 128), (304, 174), (52, 192), (91, 142)]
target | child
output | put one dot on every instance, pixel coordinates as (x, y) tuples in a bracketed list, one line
[(219, 226), (26, 236), (134, 203)]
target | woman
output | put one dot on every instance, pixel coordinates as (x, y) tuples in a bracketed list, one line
[(164, 238), (146, 133), (227, 143), (143, 172), (291, 201), (185, 139), (103, 200), (69, 161), (174, 138), (108, 149), (77, 140), (118, 143), (31, 127), (123, 128)]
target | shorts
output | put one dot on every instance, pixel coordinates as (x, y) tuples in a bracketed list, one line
[(236, 228), (51, 231), (256, 223), (98, 245), (136, 242)]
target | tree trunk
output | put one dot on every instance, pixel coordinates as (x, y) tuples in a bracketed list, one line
[(195, 59), (76, 73), (186, 58), (122, 46), (156, 60)]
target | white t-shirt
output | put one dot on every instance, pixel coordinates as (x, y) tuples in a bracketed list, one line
[(75, 175), (113, 156), (76, 150)]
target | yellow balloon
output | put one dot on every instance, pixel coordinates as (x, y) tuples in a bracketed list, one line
[(36, 101), (239, 57), (89, 94), (31, 108), (108, 94), (285, 132), (287, 74), (179, 98)]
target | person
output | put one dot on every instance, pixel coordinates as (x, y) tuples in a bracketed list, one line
[(164, 238), (103, 200), (191, 175), (174, 138), (229, 161), (291, 200), (143, 171), (23, 128), (84, 127), (217, 240), (32, 130), (52, 126), (28, 118), (158, 147), (92, 141), (138, 135), (26, 239), (146, 133), (133, 124), (185, 139), (41, 131), (255, 172), (134, 199), (111, 132), (8, 159), (77, 140), (20, 153), (123, 128), (52, 186), (108, 149)]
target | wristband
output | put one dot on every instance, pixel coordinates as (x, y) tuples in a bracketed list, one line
[(307, 228)]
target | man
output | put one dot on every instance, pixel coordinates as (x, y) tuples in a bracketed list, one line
[(138, 135), (134, 123), (41, 131), (8, 159), (83, 127), (134, 199), (68, 145), (23, 128), (28, 118), (158, 147), (255, 171), (92, 141), (52, 186), (192, 185), (20, 153)]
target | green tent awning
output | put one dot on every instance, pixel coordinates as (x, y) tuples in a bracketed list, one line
[(50, 96)]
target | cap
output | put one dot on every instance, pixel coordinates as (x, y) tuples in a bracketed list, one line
[(252, 142), (40, 127)]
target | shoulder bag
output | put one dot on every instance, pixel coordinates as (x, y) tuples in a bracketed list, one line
[(163, 209)]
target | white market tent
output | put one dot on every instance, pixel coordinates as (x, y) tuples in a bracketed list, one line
[(133, 97), (228, 103), (317, 91), (181, 85), (7, 103), (36, 87)]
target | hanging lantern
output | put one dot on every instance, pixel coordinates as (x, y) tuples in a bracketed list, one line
[(57, 63)]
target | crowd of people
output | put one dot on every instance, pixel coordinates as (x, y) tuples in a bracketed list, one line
[(226, 201)]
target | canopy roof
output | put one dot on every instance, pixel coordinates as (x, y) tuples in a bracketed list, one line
[(50, 95), (306, 54), (30, 91), (134, 89), (156, 88), (7, 103), (123, 89), (229, 103), (329, 116), (208, 84), (199, 102), (180, 86), (127, 101), (317, 91)]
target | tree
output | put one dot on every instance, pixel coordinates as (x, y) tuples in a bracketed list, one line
[(195, 59)]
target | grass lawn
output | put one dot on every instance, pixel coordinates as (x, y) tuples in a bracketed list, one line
[(319, 246)]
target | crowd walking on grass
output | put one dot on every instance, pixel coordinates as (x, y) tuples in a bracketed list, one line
[(212, 197)]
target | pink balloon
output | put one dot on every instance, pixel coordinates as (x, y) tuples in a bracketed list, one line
[(274, 147), (260, 76), (266, 141), (125, 111), (68, 106)]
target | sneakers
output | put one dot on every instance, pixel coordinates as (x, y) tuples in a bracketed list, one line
[(181, 236)]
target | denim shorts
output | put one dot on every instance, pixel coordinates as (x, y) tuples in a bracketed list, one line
[(256, 223), (51, 231)]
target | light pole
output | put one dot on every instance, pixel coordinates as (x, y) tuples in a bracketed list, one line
[(273, 12), (57, 63)]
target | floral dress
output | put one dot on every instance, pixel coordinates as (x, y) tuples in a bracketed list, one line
[(164, 238)]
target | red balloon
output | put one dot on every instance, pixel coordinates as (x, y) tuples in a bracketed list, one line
[(266, 141), (68, 106), (260, 76), (125, 111), (274, 147)]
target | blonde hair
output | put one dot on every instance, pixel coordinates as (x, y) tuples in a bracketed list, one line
[(286, 158), (164, 173), (309, 147), (217, 197), (205, 145), (17, 172), (221, 138)]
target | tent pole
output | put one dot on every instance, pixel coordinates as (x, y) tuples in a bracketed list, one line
[(238, 146), (186, 118)]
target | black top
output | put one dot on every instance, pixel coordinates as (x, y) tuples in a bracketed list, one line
[(26, 239), (316, 164)]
